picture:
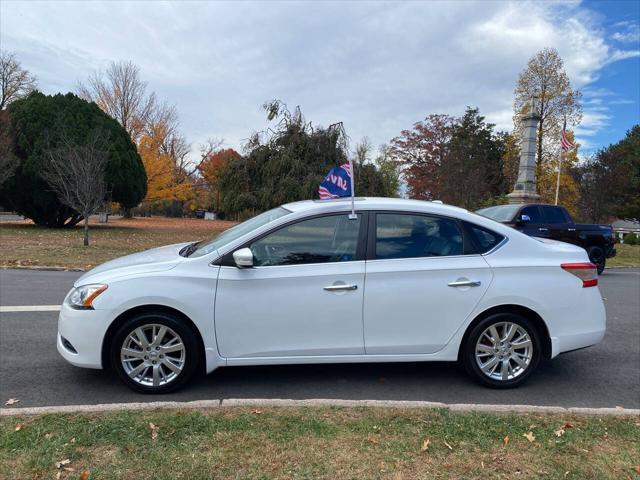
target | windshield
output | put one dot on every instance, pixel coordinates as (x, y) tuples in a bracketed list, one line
[(239, 230), (500, 213)]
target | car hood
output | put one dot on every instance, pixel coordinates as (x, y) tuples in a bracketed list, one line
[(154, 260)]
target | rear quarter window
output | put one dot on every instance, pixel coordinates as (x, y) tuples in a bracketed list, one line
[(483, 239)]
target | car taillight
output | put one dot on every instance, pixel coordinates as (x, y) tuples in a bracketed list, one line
[(587, 272)]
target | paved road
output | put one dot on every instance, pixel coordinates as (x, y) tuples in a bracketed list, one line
[(31, 370)]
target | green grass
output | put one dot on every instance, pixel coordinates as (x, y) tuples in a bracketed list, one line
[(332, 443), (626, 256)]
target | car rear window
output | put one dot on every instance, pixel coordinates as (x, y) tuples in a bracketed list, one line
[(554, 214), (484, 239)]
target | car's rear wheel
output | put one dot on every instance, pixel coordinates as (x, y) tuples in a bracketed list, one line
[(598, 258), (155, 353), (502, 350)]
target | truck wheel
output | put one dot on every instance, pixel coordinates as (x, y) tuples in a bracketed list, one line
[(598, 258)]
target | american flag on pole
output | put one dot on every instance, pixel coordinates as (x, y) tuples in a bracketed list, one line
[(337, 183), (564, 141)]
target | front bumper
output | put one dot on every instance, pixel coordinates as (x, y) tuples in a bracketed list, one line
[(84, 332)]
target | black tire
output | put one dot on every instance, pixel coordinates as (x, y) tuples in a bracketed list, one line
[(598, 258), (468, 353), (191, 358)]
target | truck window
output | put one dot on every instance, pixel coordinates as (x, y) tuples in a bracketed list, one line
[(534, 214), (554, 215)]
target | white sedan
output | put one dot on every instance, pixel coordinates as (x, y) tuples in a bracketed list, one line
[(401, 281)]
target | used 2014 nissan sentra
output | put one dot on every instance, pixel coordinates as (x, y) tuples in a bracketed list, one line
[(309, 282)]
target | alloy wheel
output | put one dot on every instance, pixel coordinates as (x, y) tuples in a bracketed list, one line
[(504, 351), (153, 355)]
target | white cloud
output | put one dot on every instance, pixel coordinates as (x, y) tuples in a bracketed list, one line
[(379, 67)]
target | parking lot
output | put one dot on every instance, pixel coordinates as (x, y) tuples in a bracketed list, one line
[(607, 375)]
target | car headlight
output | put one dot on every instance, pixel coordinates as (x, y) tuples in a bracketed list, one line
[(82, 297)]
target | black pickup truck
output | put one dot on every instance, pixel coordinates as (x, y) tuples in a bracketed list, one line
[(553, 221)]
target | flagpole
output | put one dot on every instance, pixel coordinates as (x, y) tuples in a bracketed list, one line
[(353, 181), (559, 170)]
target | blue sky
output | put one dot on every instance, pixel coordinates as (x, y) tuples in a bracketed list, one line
[(615, 94), (377, 66)]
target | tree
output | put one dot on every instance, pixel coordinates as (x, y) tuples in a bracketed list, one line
[(8, 161), (213, 166), (33, 134), (76, 173), (510, 158), (121, 93), (389, 170), (421, 152), (472, 171), (610, 181), (458, 161), (162, 180), (15, 82), (371, 179), (284, 164), (546, 80)]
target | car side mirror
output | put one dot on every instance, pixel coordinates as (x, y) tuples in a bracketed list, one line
[(243, 258), (523, 219)]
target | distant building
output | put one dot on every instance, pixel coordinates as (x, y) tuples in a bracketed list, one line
[(622, 227)]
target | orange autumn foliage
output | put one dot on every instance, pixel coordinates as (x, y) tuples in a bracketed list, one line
[(162, 179)]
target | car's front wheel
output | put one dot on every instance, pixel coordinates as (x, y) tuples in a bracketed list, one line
[(502, 350), (155, 352)]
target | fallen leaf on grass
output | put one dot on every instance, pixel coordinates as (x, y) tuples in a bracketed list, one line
[(48, 435), (154, 431), (84, 475), (256, 411), (62, 463), (18, 427), (425, 445), (567, 425), (505, 441), (559, 432), (638, 469), (373, 440), (11, 401), (529, 436), (448, 446)]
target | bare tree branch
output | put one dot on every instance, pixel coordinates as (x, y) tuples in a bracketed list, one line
[(76, 173), (15, 82)]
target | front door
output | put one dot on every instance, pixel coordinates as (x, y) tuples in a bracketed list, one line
[(303, 297), (421, 286)]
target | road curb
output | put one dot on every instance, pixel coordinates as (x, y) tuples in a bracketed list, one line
[(43, 268), (314, 403)]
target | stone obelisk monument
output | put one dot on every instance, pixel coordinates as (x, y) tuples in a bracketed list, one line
[(525, 190)]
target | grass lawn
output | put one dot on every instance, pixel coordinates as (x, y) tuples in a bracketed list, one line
[(627, 256), (26, 244), (331, 443)]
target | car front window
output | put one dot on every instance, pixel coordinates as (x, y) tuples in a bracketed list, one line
[(238, 231), (332, 238)]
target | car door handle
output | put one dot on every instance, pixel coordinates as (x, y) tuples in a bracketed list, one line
[(571, 229), (464, 283), (338, 288), (541, 229)]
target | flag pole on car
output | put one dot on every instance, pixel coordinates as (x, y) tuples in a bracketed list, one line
[(339, 183)]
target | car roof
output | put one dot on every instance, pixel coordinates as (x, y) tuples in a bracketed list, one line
[(373, 203)]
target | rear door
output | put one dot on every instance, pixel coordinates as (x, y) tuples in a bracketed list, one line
[(422, 282), (558, 224)]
